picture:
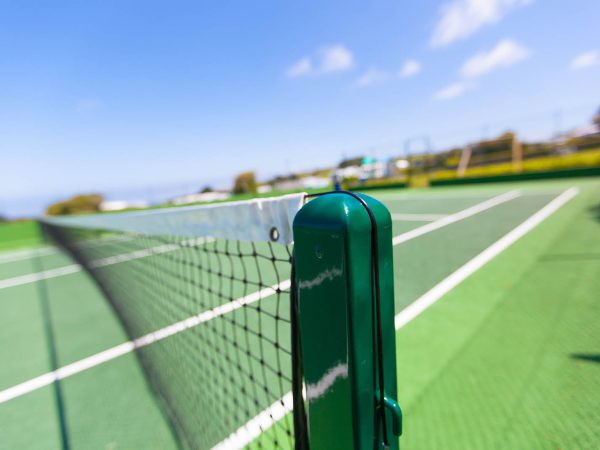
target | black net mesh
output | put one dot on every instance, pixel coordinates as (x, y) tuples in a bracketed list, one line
[(210, 323)]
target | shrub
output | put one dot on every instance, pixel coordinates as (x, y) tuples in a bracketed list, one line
[(590, 158), (245, 183), (86, 203)]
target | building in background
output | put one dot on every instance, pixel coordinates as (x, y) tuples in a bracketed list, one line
[(202, 197), (120, 205)]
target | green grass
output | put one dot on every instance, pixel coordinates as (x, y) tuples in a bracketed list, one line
[(15, 235)]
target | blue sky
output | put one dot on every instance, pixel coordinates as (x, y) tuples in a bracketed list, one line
[(126, 97)]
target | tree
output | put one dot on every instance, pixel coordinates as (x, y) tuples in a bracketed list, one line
[(245, 183), (86, 203), (349, 162), (3, 219), (596, 118), (206, 189), (283, 178)]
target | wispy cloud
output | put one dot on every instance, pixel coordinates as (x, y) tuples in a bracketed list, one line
[(452, 91), (333, 58), (459, 19), (300, 68), (371, 77), (504, 54), (410, 68), (336, 58), (585, 60)]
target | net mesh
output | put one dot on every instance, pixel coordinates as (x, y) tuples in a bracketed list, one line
[(209, 319)]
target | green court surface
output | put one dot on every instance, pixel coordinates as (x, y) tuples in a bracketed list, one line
[(498, 337)]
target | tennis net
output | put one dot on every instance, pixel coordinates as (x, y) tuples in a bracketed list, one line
[(203, 293)]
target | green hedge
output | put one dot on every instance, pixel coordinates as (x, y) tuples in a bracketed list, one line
[(584, 159), (583, 172), (23, 233)]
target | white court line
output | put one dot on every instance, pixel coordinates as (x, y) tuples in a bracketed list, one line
[(264, 420), (417, 217), (437, 197), (33, 277), (452, 218), (392, 198), (20, 255), (102, 262), (252, 429), (448, 283), (127, 347), (99, 358), (138, 254)]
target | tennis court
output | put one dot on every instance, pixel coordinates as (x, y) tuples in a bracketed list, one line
[(498, 339)]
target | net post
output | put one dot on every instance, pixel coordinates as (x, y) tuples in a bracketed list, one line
[(343, 346)]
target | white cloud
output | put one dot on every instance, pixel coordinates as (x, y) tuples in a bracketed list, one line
[(371, 77), (302, 67), (504, 54), (585, 60), (452, 91), (333, 58), (410, 68), (459, 19), (336, 58)]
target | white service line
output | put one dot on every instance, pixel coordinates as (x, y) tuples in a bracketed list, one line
[(417, 217), (33, 277), (452, 218), (20, 255), (448, 283), (142, 341), (102, 262), (136, 254)]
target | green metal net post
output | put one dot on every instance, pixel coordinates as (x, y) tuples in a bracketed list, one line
[(346, 351)]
